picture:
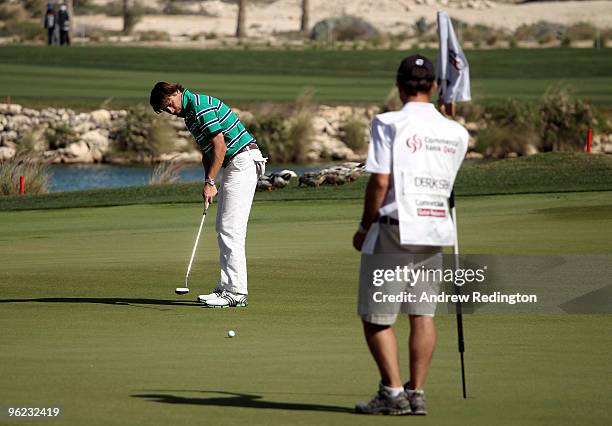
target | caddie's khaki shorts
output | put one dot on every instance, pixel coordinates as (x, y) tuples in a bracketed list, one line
[(373, 305)]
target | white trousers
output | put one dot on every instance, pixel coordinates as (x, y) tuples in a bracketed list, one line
[(233, 207)]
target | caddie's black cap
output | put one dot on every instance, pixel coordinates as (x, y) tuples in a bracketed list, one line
[(415, 68)]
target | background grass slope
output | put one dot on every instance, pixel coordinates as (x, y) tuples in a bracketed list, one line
[(84, 77)]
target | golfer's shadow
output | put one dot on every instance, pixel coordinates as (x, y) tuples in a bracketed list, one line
[(241, 400), (105, 301)]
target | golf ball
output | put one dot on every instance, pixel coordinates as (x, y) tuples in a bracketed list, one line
[(231, 333)]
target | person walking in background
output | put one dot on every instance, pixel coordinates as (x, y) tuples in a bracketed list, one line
[(50, 22), (63, 19)]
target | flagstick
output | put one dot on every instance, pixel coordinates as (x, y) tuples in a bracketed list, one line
[(453, 71), (449, 111), (458, 309)]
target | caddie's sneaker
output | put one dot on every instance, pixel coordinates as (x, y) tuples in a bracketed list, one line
[(227, 300), (203, 298), (417, 400), (384, 403)]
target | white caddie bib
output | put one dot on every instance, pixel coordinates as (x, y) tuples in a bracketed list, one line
[(426, 159)]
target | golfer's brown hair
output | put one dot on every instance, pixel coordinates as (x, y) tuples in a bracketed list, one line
[(160, 93)]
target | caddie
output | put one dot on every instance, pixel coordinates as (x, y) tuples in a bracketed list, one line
[(414, 156), (224, 143)]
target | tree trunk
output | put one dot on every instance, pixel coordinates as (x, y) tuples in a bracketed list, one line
[(70, 8), (240, 29), (125, 16), (305, 16)]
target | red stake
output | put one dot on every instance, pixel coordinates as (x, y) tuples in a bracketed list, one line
[(8, 99), (589, 140), (21, 185)]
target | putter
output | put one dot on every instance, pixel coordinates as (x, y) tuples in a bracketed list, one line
[(185, 290)]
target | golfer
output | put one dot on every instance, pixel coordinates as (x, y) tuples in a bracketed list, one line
[(224, 143), (413, 158)]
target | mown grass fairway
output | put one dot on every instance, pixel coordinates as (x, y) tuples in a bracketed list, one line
[(90, 321), (85, 77)]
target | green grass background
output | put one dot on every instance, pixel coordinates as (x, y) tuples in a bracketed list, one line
[(85, 77), (91, 323), (545, 173)]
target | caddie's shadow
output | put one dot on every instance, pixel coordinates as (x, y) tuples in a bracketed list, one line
[(136, 303), (241, 400)]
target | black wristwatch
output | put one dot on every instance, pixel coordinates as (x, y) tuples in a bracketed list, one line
[(210, 182)]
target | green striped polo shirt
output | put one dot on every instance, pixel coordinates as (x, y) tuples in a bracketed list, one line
[(206, 117)]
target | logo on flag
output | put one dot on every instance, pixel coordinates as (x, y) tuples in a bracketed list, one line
[(453, 70)]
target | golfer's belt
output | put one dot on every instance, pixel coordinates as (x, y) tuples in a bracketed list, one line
[(388, 220)]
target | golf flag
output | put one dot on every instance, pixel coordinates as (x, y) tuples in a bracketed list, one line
[(453, 70)]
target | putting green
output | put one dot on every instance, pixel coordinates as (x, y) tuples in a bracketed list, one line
[(91, 324)]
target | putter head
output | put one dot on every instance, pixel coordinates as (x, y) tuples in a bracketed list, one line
[(181, 290)]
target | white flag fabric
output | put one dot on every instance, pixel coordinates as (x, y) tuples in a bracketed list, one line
[(452, 69)]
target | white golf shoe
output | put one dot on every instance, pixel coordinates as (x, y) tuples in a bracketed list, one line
[(227, 300), (203, 298)]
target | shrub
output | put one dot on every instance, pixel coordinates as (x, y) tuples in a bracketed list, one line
[(143, 134), (173, 8), (563, 121), (32, 141), (470, 111), (480, 33), (512, 113), (35, 8), (392, 102), (558, 123), (497, 141), (12, 12), (285, 134), (97, 35), (24, 30), (36, 174), (59, 135), (153, 35), (379, 41), (421, 26), (542, 32), (345, 28), (87, 7), (166, 172), (355, 134), (581, 31), (602, 37), (511, 127), (115, 8), (492, 39), (566, 41), (269, 129), (299, 134)]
